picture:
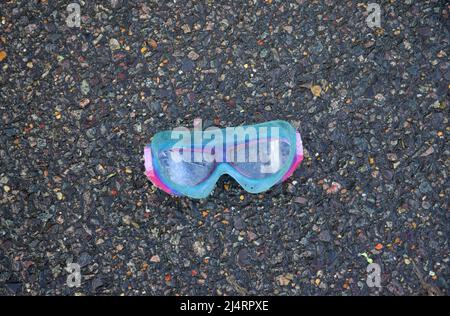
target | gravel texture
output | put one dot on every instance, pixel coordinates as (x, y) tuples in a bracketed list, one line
[(78, 105)]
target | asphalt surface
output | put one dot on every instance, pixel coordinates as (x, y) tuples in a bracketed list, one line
[(78, 104)]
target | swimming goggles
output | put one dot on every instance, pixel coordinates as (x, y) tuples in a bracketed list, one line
[(186, 162)]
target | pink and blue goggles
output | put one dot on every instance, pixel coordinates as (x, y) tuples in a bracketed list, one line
[(184, 162)]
